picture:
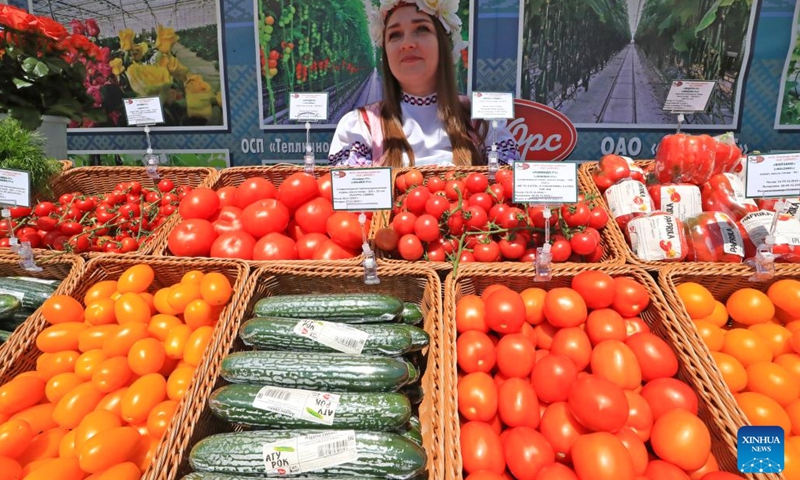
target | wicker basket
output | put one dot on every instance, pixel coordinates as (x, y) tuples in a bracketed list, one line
[(100, 180), (722, 281), (66, 267), (611, 237), (411, 283), (235, 176), (716, 406), (21, 352), (66, 165)]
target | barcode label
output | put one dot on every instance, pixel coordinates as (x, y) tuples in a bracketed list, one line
[(315, 407), (342, 338), (309, 453)]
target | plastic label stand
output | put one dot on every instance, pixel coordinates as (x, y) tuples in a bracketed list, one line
[(369, 263), (544, 258)]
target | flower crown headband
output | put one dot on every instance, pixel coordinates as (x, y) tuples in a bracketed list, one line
[(444, 10)]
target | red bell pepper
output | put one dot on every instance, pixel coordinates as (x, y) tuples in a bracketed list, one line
[(725, 193), (728, 155), (610, 169), (680, 199), (658, 237), (714, 237), (685, 158)]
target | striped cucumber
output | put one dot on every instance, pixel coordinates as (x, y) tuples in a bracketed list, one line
[(419, 337), (225, 476), (412, 314), (9, 305), (412, 430), (359, 411), (273, 333), (380, 454), (32, 292), (333, 372), (338, 307)]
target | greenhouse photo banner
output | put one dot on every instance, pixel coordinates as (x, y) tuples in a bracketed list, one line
[(788, 115), (607, 64), (315, 46), (169, 49)]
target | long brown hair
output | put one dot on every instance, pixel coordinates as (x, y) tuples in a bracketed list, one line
[(455, 113)]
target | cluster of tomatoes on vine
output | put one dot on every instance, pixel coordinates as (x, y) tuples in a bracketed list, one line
[(463, 217), (115, 222)]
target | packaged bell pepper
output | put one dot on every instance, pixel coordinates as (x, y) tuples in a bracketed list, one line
[(728, 156), (626, 200), (658, 237), (680, 199), (714, 237), (685, 158), (787, 234), (725, 193), (610, 169)]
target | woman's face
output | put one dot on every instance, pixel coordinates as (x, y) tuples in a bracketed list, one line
[(412, 50)]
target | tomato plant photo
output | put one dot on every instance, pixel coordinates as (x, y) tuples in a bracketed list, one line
[(567, 380)]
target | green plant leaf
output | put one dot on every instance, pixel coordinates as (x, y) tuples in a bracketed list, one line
[(40, 70), (727, 3), (681, 40), (708, 19), (20, 83)]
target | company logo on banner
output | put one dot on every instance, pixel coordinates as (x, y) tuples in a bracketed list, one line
[(760, 449), (541, 132)]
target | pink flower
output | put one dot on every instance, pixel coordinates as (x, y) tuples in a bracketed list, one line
[(92, 29), (77, 27), (104, 55), (94, 91), (104, 69), (115, 115)]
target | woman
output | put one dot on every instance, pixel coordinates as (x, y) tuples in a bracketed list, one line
[(422, 120)]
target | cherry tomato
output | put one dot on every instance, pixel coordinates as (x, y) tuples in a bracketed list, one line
[(76, 404), (487, 252), (410, 247)]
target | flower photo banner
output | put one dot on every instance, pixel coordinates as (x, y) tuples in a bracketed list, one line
[(171, 50), (788, 115), (314, 46)]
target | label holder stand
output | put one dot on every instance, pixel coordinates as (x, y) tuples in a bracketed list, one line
[(493, 157), (150, 160), (24, 250), (543, 264), (370, 264), (764, 261), (308, 157)]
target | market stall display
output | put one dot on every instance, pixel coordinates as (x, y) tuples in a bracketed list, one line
[(452, 216), (277, 213), (749, 331), (385, 402), (578, 349), (97, 210), (102, 376)]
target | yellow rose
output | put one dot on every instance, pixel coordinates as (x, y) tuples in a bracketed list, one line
[(138, 51), (116, 66), (165, 38), (199, 104), (196, 84), (150, 80), (171, 63), (126, 39)]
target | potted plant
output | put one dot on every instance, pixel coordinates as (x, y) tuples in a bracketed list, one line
[(43, 70), (22, 149)]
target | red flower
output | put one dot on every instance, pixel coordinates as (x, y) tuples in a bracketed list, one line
[(51, 28), (15, 18), (91, 28), (77, 27)]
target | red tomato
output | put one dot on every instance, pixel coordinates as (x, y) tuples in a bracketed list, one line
[(476, 182), (252, 190), (516, 355), (477, 397), (308, 244), (527, 452), (556, 471), (344, 229), (470, 314), (661, 470), (481, 448), (640, 415), (635, 325), (475, 352), (560, 428), (596, 288), (655, 356), (602, 456), (200, 203), (296, 190), (485, 475), (681, 438), (227, 196), (331, 250), (404, 223), (313, 215), (665, 394), (505, 311), (631, 297), (564, 307), (615, 361), (192, 238), (234, 245), (265, 216), (275, 246), (416, 199), (605, 324), (552, 377), (636, 449), (325, 189), (227, 219), (410, 247), (720, 476), (516, 400), (598, 404), (574, 344), (436, 206), (426, 227)]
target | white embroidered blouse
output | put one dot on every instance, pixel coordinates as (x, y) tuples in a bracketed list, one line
[(352, 143)]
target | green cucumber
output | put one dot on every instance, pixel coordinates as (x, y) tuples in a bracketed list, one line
[(413, 393), (412, 314), (380, 454), (419, 337), (412, 431), (15, 320), (31, 292), (333, 372), (273, 333), (9, 305), (340, 307), (4, 336), (359, 411)]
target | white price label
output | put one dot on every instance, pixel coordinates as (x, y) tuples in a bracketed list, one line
[(337, 336), (307, 107), (773, 176), (689, 96), (492, 105), (545, 182), (626, 197), (15, 187), (683, 201), (308, 453), (316, 407), (143, 111), (758, 224), (362, 189)]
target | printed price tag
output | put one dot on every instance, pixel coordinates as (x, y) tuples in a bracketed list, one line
[(773, 176), (15, 187), (689, 96), (308, 107), (144, 111), (548, 183), (362, 189), (337, 336), (308, 453), (317, 407), (492, 105)]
